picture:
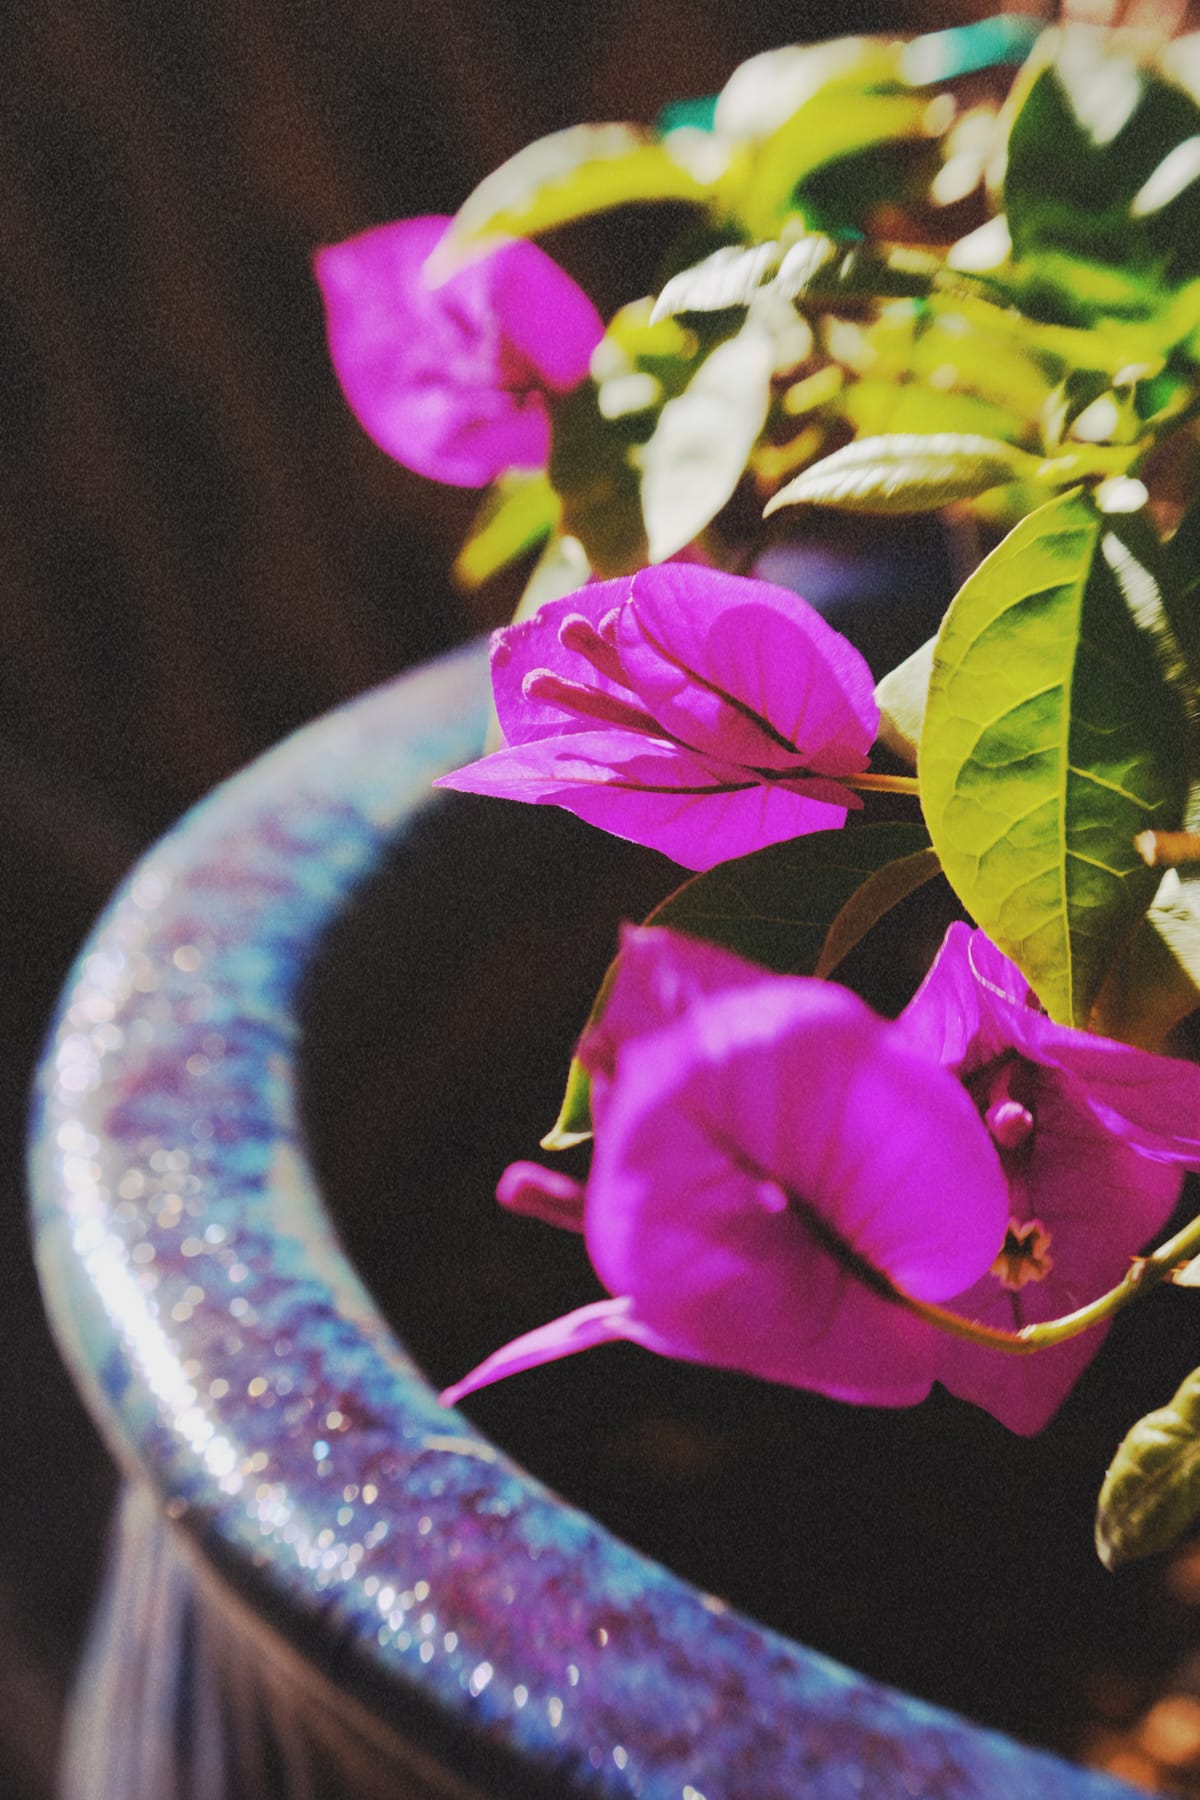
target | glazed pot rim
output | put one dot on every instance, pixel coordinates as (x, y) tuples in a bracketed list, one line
[(238, 1367)]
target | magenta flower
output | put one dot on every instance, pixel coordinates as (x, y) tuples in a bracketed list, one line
[(765, 1145), (452, 380), (1093, 1137), (702, 714)]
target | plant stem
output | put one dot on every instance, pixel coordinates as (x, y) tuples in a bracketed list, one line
[(881, 784), (1144, 1274)]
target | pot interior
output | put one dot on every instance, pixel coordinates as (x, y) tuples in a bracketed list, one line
[(927, 1547)]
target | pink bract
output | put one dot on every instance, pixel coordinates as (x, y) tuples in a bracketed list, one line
[(764, 1146), (702, 714), (1093, 1137), (451, 380)]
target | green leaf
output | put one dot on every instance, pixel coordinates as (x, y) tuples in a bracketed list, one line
[(832, 127), (518, 512), (901, 697), (560, 569), (870, 902), (574, 1122), (905, 473), (766, 92), (1155, 982), (1050, 740), (1102, 170), (699, 448), (1151, 1493), (569, 175), (778, 906), (1183, 562), (790, 908), (797, 266), (592, 468)]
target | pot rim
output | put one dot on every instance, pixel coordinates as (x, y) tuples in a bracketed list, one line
[(238, 1367)]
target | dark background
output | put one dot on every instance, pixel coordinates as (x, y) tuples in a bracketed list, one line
[(199, 550)]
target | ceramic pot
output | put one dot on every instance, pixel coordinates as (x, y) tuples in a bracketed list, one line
[(322, 1583)]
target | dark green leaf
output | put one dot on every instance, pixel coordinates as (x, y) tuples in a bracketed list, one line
[(779, 908), (1155, 982), (1151, 1493), (905, 472), (592, 468), (1050, 740), (1098, 166), (869, 903)]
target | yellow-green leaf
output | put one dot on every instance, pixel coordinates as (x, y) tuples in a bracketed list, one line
[(1051, 738), (905, 472), (518, 512), (568, 175)]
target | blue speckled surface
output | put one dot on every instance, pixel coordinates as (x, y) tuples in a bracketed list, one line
[(233, 1357)]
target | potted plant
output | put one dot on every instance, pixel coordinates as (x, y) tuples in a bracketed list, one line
[(906, 283)]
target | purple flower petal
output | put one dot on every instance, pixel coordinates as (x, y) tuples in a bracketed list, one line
[(450, 380), (537, 643), (975, 1004), (1092, 1135), (657, 706), (765, 1146), (603, 1322), (657, 794), (545, 1194), (1097, 1201), (736, 668)]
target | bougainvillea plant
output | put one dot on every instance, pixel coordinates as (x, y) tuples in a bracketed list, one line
[(954, 275)]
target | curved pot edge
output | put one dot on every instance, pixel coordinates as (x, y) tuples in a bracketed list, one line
[(236, 1361)]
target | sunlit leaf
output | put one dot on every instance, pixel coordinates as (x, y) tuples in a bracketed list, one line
[(910, 407), (519, 511), (701, 444), (1050, 740), (900, 697), (560, 569), (1151, 1493), (832, 129), (570, 174), (1101, 168), (767, 91), (779, 907), (808, 265), (905, 472)]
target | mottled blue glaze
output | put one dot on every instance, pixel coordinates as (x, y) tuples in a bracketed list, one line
[(238, 1366)]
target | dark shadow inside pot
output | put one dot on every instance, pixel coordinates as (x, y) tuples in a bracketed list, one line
[(927, 1547)]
